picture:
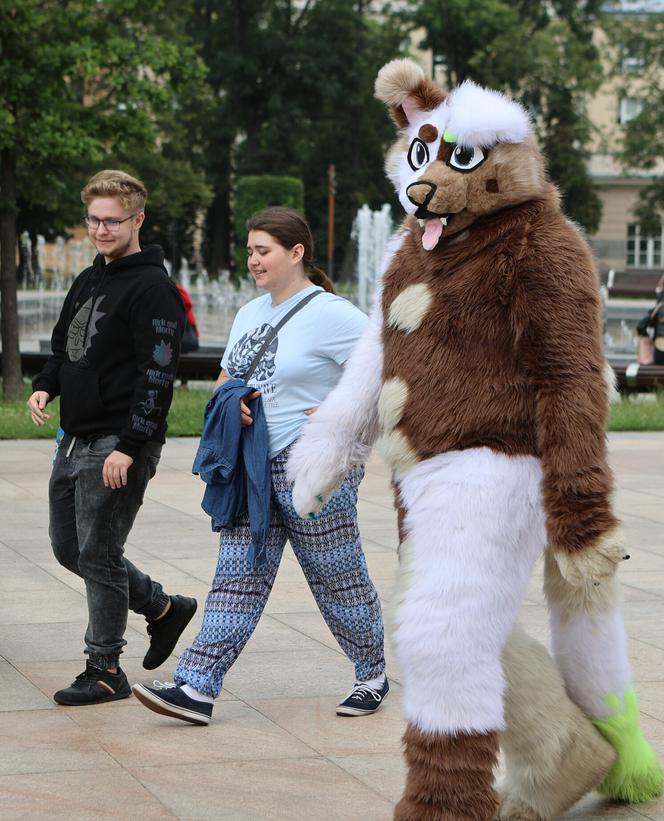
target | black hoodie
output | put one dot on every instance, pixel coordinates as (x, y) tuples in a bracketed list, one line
[(115, 350)]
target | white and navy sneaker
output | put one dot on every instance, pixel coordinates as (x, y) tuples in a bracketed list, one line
[(169, 700), (363, 700)]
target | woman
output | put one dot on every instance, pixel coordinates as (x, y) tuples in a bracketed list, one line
[(651, 349), (297, 371)]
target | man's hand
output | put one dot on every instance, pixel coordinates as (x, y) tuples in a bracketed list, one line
[(116, 466), (245, 413), (36, 403)]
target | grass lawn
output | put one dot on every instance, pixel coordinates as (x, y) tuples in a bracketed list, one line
[(186, 415), (184, 419)]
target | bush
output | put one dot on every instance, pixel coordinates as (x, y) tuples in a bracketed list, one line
[(255, 193)]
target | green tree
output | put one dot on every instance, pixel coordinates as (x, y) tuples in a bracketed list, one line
[(79, 82), (637, 43), (294, 84), (540, 52)]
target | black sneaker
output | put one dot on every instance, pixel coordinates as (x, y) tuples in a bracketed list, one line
[(165, 632), (169, 700), (94, 686), (363, 700)]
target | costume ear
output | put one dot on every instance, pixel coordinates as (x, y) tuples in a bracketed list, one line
[(411, 107), (402, 86)]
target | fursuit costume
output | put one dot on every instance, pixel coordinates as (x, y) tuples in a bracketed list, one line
[(489, 392)]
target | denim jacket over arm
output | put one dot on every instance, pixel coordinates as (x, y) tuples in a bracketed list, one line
[(233, 462)]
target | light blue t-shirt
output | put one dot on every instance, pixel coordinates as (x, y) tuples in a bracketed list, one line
[(303, 362)]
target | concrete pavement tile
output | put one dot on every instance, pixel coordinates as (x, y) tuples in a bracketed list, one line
[(272, 635), (370, 546), (386, 536), (237, 732), (314, 626), (377, 516), (291, 597), (292, 790), (648, 582), (652, 510), (320, 672), (645, 620), (47, 741), (382, 566), (647, 661), (383, 772), (18, 693), (651, 699), (56, 641), (34, 549), (314, 721), (27, 578), (175, 541), (10, 556), (22, 608), (78, 796)]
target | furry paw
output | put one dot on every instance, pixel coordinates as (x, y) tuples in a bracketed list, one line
[(596, 563), (315, 472)]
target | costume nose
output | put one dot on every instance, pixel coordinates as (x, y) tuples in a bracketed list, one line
[(420, 193)]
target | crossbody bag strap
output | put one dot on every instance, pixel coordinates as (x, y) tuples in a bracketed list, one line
[(268, 341)]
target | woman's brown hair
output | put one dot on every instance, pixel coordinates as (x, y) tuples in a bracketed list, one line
[(290, 228)]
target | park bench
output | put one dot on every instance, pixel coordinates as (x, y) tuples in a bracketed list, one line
[(636, 282), (204, 365), (634, 378), (196, 365)]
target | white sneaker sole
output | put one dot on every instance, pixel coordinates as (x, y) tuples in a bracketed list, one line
[(165, 708)]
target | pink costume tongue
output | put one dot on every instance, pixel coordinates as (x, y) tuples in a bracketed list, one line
[(433, 228)]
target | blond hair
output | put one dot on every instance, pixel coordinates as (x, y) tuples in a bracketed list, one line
[(111, 183)]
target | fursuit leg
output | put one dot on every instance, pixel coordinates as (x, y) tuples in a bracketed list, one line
[(474, 528), (553, 753), (590, 647)]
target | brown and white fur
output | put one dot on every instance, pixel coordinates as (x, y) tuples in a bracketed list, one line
[(482, 368)]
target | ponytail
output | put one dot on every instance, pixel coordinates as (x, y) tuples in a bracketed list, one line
[(319, 277)]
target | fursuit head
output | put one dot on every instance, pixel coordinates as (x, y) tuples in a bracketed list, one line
[(482, 378), (458, 156)]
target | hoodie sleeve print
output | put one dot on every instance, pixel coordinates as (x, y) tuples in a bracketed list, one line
[(49, 378), (157, 322), (565, 363)]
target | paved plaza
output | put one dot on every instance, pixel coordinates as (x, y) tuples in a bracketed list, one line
[(275, 749)]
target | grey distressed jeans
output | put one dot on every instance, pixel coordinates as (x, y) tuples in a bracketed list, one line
[(88, 526)]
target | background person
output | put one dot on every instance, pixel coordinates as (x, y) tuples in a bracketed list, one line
[(297, 371), (651, 348), (115, 352)]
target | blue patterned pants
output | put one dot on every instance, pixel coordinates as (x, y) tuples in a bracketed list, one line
[(329, 551)]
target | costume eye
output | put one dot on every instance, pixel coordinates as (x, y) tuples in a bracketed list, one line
[(418, 154), (464, 158)]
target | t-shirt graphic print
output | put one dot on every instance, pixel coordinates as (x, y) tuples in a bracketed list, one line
[(245, 349)]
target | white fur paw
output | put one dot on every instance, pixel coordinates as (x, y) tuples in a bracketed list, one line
[(593, 564), (316, 466), (306, 501)]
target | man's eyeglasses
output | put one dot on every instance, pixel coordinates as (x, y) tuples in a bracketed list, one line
[(111, 224)]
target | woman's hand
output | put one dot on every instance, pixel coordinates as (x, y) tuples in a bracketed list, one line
[(245, 413)]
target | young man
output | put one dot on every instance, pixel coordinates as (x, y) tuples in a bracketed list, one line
[(115, 351)]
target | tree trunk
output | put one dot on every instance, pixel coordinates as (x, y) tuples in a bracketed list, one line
[(12, 380), (217, 234)]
